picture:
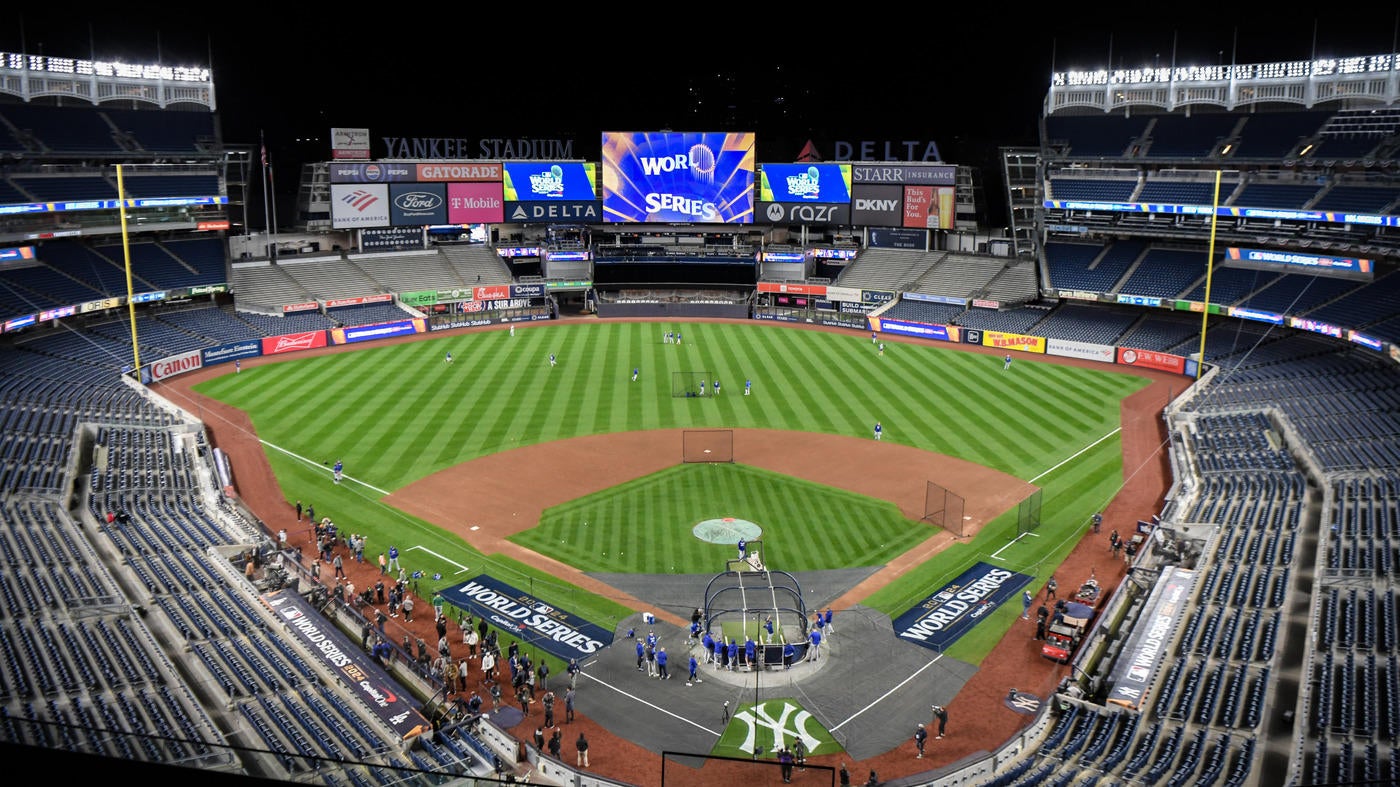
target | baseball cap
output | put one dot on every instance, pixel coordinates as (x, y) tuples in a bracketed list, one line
[(921, 724)]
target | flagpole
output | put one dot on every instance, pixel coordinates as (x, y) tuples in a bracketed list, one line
[(271, 247), (272, 187)]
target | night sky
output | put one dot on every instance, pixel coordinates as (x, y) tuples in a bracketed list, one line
[(971, 81)]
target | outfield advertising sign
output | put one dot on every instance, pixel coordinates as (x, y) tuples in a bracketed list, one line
[(923, 330), (1013, 341), (554, 630), (383, 330), (232, 352), (1065, 348), (1151, 359), (954, 609)]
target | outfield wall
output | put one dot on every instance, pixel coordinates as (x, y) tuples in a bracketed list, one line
[(676, 311)]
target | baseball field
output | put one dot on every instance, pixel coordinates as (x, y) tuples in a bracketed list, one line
[(398, 414)]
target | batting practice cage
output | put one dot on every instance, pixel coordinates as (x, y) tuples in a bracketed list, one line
[(741, 602), (1028, 514), (707, 445), (943, 509), (687, 384)]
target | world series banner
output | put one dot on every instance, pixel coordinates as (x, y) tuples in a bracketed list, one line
[(354, 669), (536, 623), (954, 609)]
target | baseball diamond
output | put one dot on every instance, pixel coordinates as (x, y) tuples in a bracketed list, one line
[(633, 458), (887, 471)]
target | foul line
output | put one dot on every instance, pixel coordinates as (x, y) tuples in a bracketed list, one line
[(997, 554), (462, 568), (1076, 454), (892, 690), (313, 464), (653, 706)]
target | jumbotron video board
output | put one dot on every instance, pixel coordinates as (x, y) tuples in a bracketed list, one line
[(678, 177)]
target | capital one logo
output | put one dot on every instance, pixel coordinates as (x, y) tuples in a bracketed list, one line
[(790, 721)]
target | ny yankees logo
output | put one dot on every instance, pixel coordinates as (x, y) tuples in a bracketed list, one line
[(760, 716)]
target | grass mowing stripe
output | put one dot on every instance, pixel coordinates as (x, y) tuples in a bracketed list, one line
[(805, 380)]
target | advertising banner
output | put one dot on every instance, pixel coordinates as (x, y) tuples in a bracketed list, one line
[(352, 667), (843, 293), (466, 172), (553, 630), (1315, 326), (811, 213), (527, 290), (475, 203), (923, 330), (948, 299), (1151, 359), (308, 306), (350, 143), (678, 177), (879, 206), (1299, 262), (1013, 341), (175, 364), (814, 183), (1090, 352), (1151, 639), (416, 204), (549, 181), (370, 172), (419, 297), (15, 323), (293, 342), (383, 330), (489, 293), (354, 206), (906, 174), (930, 207), (360, 301), (954, 609), (69, 311), (562, 212), (232, 352), (99, 305), (792, 289), (876, 296)]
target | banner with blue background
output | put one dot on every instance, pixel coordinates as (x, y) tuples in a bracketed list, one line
[(536, 623), (954, 609)]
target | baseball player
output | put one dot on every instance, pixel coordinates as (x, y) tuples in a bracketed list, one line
[(879, 430), (338, 470), (748, 386), (634, 374), (716, 387), (551, 360)]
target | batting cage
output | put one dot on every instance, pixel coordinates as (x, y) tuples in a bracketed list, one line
[(943, 508), (688, 384), (1028, 514), (707, 445), (761, 767)]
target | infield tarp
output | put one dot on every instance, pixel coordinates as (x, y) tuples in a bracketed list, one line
[(955, 608), (558, 632)]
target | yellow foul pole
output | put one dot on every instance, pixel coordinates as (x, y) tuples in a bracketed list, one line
[(126, 257), (1210, 273)]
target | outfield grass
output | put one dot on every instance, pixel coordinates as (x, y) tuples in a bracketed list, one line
[(395, 414)]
